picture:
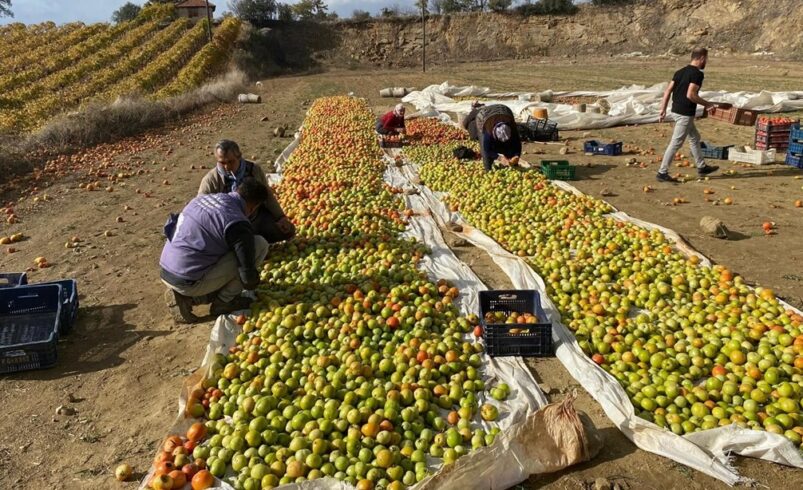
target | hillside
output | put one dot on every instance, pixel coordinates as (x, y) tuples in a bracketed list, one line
[(49, 69), (656, 28)]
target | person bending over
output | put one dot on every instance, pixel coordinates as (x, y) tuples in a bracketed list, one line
[(212, 253), (499, 136)]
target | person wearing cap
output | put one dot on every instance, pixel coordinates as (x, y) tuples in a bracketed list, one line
[(212, 254), (469, 123), (269, 221), (499, 136), (392, 123)]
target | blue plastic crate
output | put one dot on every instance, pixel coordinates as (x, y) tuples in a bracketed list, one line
[(715, 152), (795, 148), (69, 303), (795, 161), (499, 340), (596, 148), (29, 327), (796, 134), (13, 279)]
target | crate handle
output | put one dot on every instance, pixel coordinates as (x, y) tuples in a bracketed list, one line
[(509, 296)]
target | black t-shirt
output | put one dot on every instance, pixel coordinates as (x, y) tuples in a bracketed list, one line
[(683, 77)]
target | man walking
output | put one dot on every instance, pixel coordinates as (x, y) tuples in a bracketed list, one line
[(684, 89)]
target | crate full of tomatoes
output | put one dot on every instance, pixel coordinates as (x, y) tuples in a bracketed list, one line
[(774, 132)]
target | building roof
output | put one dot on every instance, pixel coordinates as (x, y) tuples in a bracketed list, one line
[(195, 4)]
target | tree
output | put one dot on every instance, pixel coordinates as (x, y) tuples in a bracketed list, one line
[(257, 12), (547, 7), (435, 6), (284, 12), (454, 6), (127, 12), (360, 15), (557, 7), (310, 10), (499, 5), (5, 8), (422, 5)]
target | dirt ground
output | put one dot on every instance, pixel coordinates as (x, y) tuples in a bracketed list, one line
[(120, 369)]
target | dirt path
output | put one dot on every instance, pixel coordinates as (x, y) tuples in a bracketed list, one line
[(121, 367)]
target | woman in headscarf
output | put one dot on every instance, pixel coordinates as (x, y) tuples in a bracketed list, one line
[(499, 136), (391, 123)]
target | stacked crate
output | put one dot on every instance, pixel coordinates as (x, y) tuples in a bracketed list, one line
[(794, 154), (773, 132)]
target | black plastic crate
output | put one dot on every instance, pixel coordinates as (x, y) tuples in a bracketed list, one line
[(595, 148), (69, 303), (539, 130), (715, 152), (498, 338), (13, 279), (29, 327)]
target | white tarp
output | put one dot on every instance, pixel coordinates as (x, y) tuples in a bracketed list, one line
[(707, 451), (636, 104), (512, 455)]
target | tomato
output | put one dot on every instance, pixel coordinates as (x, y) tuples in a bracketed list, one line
[(202, 480), (172, 443), (179, 479), (164, 468), (196, 432)]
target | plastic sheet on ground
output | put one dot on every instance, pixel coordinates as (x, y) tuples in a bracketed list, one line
[(525, 427), (707, 451), (628, 105)]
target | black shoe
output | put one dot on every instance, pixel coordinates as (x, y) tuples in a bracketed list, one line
[(707, 169), (239, 303), (180, 307), (661, 177)]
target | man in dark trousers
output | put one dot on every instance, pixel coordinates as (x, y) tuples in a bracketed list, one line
[(684, 89), (269, 221), (499, 136), (212, 254)]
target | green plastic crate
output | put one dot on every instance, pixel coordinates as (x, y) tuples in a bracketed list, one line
[(557, 169)]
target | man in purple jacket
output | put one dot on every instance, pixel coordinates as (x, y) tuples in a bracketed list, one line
[(212, 254)]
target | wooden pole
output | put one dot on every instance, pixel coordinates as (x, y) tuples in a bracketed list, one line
[(208, 21), (424, 44)]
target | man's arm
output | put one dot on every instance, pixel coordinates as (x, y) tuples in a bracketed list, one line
[(693, 95), (665, 101), (240, 239), (488, 154)]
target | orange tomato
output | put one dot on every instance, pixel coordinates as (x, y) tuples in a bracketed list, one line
[(202, 480), (179, 479), (196, 432), (172, 443), (164, 468)]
